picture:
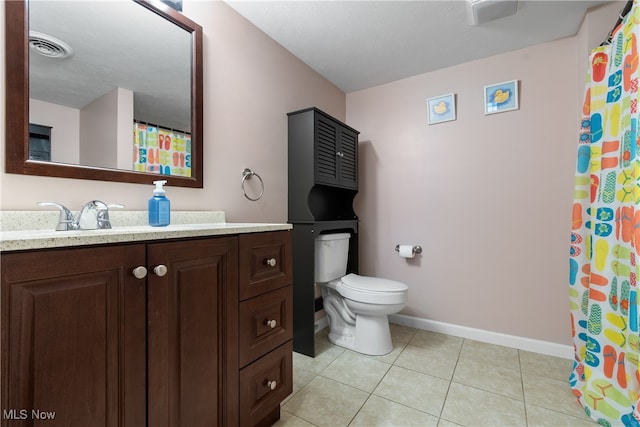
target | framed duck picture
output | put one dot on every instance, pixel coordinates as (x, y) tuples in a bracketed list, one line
[(441, 108), (501, 97)]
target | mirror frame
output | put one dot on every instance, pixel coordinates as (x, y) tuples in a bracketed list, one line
[(17, 105)]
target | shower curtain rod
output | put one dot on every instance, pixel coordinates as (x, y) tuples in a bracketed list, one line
[(621, 15)]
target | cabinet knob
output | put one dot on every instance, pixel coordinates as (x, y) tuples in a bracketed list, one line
[(139, 272), (160, 270), (270, 323), (271, 262), (272, 384)]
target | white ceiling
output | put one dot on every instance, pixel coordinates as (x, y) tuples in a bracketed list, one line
[(363, 43)]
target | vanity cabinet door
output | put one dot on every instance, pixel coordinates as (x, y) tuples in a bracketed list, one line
[(73, 337), (190, 287)]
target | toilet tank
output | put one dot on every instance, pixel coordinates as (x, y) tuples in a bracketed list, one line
[(331, 255)]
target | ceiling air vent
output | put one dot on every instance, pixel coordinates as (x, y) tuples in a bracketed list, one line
[(483, 11), (46, 45)]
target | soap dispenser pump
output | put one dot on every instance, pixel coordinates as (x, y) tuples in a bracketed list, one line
[(159, 206)]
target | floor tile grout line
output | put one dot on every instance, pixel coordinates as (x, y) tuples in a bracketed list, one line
[(446, 395), (524, 396), (359, 409)]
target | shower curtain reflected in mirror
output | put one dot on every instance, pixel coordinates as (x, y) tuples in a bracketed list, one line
[(605, 238)]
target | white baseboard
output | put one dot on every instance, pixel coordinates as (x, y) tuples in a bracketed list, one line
[(521, 343), (321, 323)]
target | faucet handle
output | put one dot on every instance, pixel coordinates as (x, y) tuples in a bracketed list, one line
[(94, 215), (102, 216), (66, 221)]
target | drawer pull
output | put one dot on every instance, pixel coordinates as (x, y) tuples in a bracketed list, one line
[(270, 323), (139, 272), (160, 270), (271, 262), (272, 384)]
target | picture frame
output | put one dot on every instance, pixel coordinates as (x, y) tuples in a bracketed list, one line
[(501, 97), (441, 108)]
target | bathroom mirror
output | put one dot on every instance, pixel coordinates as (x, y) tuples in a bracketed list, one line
[(158, 86)]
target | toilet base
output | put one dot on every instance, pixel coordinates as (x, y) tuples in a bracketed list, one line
[(372, 336)]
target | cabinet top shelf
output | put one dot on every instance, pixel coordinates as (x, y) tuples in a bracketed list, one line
[(317, 110)]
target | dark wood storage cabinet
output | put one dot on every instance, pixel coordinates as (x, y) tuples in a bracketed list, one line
[(323, 181), (323, 167), (85, 339)]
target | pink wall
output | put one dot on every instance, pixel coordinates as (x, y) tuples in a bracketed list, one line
[(250, 84), (487, 197), (66, 129)]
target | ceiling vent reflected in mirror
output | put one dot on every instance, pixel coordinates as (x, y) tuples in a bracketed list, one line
[(49, 46), (483, 11), (175, 4)]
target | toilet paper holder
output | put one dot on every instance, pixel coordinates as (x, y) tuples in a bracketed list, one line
[(416, 249)]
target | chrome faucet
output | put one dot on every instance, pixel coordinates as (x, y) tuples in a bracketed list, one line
[(66, 221), (94, 215)]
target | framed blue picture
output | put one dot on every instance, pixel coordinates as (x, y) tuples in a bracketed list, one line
[(501, 97), (441, 108)]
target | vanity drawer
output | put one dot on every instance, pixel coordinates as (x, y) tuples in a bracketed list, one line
[(265, 383), (265, 323), (266, 261)]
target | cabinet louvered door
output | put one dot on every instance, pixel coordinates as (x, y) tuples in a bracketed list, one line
[(348, 159), (326, 148)]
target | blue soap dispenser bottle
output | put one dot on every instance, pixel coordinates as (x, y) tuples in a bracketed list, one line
[(159, 206)]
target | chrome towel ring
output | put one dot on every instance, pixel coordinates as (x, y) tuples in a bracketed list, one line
[(246, 175)]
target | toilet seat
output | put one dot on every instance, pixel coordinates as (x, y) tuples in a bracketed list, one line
[(373, 290)]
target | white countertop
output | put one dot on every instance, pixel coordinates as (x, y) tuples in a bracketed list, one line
[(12, 239)]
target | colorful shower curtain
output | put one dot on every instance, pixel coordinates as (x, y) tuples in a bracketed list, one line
[(162, 151), (605, 238)]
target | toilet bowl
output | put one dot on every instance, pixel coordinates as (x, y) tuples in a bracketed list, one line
[(356, 306)]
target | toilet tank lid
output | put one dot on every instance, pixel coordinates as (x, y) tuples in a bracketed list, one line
[(334, 236), (376, 284)]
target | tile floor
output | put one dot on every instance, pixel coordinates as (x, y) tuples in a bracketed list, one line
[(430, 379)]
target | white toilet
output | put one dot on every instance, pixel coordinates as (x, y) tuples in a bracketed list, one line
[(356, 306)]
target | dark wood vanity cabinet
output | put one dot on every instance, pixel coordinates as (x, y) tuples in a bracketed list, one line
[(86, 341)]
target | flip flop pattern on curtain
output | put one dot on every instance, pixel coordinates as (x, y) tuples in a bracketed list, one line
[(605, 238)]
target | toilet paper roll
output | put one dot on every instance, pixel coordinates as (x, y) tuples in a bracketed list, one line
[(406, 251)]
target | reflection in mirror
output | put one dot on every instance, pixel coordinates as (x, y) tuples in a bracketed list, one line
[(118, 86)]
